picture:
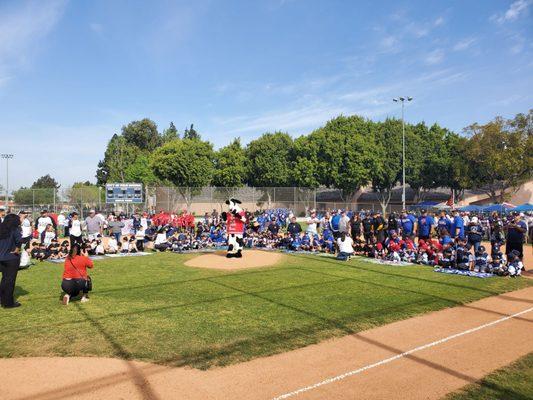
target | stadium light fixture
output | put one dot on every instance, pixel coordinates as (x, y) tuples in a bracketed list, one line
[(403, 100), (7, 157)]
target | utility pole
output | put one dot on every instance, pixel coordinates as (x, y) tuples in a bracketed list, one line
[(7, 157), (403, 100)]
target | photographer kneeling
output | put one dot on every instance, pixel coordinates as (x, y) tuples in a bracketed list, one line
[(75, 278)]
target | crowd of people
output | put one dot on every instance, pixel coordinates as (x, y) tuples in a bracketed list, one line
[(436, 239)]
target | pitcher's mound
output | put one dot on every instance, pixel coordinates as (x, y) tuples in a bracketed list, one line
[(250, 259)]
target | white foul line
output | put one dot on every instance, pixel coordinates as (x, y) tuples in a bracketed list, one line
[(388, 360)]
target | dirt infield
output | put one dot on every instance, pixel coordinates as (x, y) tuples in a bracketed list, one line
[(250, 259), (419, 358)]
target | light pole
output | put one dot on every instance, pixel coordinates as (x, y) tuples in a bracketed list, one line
[(403, 100), (7, 157)]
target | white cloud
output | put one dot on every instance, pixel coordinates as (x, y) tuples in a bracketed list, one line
[(438, 22), (515, 10), (389, 44), (464, 44), (23, 27), (434, 57), (96, 27)]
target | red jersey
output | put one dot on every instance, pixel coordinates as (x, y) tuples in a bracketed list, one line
[(235, 224), (76, 267)]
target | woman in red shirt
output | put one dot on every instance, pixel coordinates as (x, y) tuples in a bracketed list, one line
[(75, 278)]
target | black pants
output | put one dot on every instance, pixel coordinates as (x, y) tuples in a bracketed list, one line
[(519, 246), (140, 245), (73, 287), (9, 276), (76, 239)]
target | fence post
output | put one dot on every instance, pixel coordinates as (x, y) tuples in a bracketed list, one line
[(33, 203), (55, 209), (100, 198), (168, 199)]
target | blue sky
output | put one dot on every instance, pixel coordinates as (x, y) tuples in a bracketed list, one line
[(73, 72)]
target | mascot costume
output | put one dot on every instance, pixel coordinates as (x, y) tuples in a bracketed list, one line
[(235, 223)]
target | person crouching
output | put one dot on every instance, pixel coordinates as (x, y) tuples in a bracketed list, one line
[(75, 278)]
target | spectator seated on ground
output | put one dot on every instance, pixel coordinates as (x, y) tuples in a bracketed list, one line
[(344, 244)]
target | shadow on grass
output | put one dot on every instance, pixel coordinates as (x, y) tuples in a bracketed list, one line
[(241, 349), (450, 284)]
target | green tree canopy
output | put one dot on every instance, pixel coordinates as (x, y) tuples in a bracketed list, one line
[(140, 171), (340, 154), (268, 160), (170, 133), (230, 165), (42, 192), (498, 156), (190, 133), (143, 134), (184, 162), (387, 168)]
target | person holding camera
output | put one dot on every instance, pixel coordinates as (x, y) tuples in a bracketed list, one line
[(75, 278), (10, 247)]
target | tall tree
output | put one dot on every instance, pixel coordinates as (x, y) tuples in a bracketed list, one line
[(388, 159), (268, 160), (170, 133), (43, 192), (190, 133), (230, 168), (142, 134), (186, 163), (140, 171), (118, 155), (499, 155), (340, 153), (305, 170)]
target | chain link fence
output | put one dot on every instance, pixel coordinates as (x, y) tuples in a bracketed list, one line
[(196, 200)]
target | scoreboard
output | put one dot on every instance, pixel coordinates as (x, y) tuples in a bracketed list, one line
[(123, 193)]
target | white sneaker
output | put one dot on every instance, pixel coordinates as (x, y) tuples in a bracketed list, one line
[(66, 299), (84, 299)]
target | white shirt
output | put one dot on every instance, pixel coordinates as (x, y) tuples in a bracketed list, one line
[(48, 236), (160, 238), (75, 229), (312, 225), (346, 246), (112, 244), (26, 228), (61, 219), (42, 223)]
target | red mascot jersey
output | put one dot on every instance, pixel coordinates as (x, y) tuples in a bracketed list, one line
[(235, 224)]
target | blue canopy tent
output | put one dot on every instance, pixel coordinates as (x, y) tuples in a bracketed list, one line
[(501, 208), (471, 208), (526, 207), (423, 204)]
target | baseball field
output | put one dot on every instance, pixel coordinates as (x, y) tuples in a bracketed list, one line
[(164, 317)]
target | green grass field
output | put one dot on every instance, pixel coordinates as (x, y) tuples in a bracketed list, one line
[(156, 309), (514, 382)]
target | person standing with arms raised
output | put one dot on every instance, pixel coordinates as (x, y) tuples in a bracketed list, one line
[(10, 244)]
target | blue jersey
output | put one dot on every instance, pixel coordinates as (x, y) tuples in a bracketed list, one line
[(407, 225), (458, 223), (444, 223), (334, 222), (424, 225)]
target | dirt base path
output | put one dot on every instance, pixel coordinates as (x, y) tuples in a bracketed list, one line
[(424, 357)]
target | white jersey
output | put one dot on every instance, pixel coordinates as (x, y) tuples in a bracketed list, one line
[(42, 223), (26, 228), (61, 219), (48, 236), (346, 245), (75, 229)]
